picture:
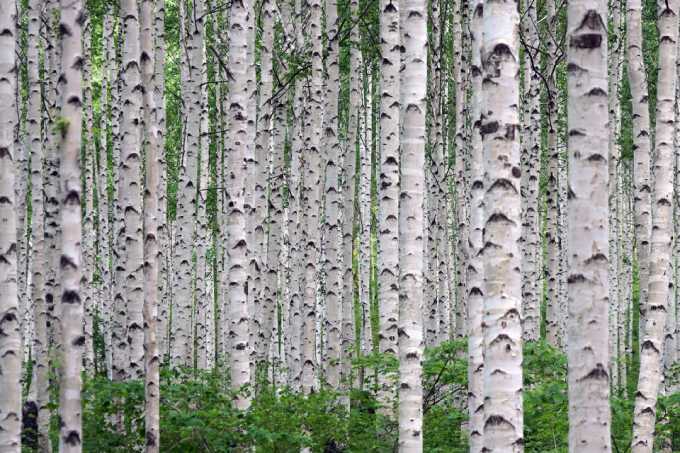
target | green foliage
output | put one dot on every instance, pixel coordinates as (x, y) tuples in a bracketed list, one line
[(197, 414)]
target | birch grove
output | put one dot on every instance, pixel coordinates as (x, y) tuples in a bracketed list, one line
[(339, 226)]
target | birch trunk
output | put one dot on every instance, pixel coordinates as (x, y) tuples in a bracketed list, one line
[(237, 167), (270, 235), (130, 190), (70, 432), (553, 310), (165, 256), (10, 341), (530, 169), (413, 88), (105, 295), (642, 146), (652, 342), (203, 283), (333, 232), (588, 146), (349, 201), (311, 200), (475, 270), (40, 347), (151, 213), (388, 194), (182, 328), (502, 287), (89, 238), (614, 63)]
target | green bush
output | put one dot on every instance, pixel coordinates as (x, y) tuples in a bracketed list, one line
[(197, 414)]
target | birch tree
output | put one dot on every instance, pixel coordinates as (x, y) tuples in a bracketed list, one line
[(588, 247), (642, 145), (10, 341), (70, 129), (332, 233), (130, 189), (503, 423), (240, 140), (652, 342), (151, 213), (388, 195), (475, 277), (413, 87)]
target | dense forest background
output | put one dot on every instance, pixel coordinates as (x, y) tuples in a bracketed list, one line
[(278, 250)]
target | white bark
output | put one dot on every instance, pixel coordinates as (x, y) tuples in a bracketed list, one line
[(388, 196), (240, 140), (652, 341), (502, 287), (587, 242), (413, 87), (151, 250), (70, 129), (642, 146), (130, 190), (475, 271), (10, 341), (333, 232)]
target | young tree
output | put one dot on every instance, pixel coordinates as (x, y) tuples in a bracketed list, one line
[(10, 340), (502, 287), (413, 87), (530, 175), (130, 189), (70, 129), (388, 196), (151, 213), (642, 144), (652, 342), (240, 139), (588, 247), (38, 263), (332, 232), (475, 271), (311, 200)]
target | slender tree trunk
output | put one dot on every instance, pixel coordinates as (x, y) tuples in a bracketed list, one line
[(614, 63), (652, 342), (70, 433), (203, 283), (38, 263), (89, 238), (588, 247), (502, 287), (270, 223), (365, 151), (388, 194), (131, 193), (475, 271), (51, 175), (460, 75), (553, 310), (151, 250), (182, 347), (240, 141), (120, 353), (165, 290), (530, 168), (349, 202), (332, 233), (10, 340), (642, 146), (413, 88), (311, 200)]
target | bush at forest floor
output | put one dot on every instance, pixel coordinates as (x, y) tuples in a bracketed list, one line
[(197, 414)]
